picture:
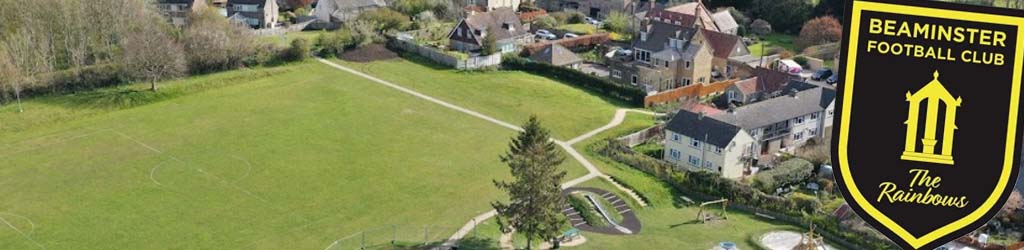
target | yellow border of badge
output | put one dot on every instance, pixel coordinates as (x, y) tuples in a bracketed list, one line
[(858, 7)]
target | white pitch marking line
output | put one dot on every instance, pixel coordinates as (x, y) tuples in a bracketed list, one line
[(22, 233), (30, 223), (249, 170), (152, 172)]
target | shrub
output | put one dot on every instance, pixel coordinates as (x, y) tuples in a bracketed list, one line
[(805, 203), (820, 30), (299, 50), (490, 44), (387, 19), (568, 17), (545, 22), (584, 208), (802, 61), (761, 27), (577, 78), (789, 172), (617, 22), (212, 43)]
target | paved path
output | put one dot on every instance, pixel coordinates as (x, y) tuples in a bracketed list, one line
[(593, 172)]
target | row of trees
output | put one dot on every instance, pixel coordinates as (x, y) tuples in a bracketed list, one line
[(66, 45)]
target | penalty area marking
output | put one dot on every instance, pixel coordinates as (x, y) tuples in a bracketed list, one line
[(22, 233)]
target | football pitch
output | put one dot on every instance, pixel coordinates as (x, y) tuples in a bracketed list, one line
[(291, 160)]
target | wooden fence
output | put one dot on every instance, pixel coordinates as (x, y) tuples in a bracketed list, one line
[(642, 136)]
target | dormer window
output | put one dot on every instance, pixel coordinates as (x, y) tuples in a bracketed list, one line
[(643, 36), (508, 26)]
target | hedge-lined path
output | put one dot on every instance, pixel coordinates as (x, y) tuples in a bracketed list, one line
[(630, 224), (469, 226)]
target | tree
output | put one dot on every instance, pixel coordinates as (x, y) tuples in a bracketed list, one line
[(9, 76), (387, 19), (214, 43), (296, 4), (535, 200), (784, 15), (150, 54), (490, 44), (829, 8), (617, 22), (545, 22), (761, 27), (820, 30)]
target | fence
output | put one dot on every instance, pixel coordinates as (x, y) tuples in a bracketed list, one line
[(483, 237), (438, 56), (690, 91), (642, 136), (281, 30)]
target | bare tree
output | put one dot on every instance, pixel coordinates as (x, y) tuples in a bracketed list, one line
[(214, 43), (150, 54), (9, 76)]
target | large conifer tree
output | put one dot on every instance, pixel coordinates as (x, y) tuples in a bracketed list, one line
[(535, 200)]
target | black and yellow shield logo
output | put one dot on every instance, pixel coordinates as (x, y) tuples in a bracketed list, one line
[(927, 145)]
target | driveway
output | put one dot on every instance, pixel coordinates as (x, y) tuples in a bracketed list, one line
[(594, 69)]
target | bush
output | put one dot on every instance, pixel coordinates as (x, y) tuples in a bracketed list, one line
[(802, 61), (212, 43), (617, 22), (545, 22), (820, 30), (299, 51), (387, 19), (761, 27), (568, 17), (785, 15), (578, 78), (805, 203), (334, 43), (789, 172)]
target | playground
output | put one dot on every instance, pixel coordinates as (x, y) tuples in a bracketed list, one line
[(616, 215), (789, 240)]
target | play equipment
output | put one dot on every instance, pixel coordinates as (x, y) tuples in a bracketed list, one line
[(810, 241), (707, 216)]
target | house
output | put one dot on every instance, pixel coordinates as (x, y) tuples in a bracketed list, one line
[(724, 48), (725, 22), (557, 55), (592, 8), (765, 84), (177, 11), (692, 14), (337, 11), (258, 14), (489, 5), (502, 23), (665, 56), (695, 141), (784, 122)]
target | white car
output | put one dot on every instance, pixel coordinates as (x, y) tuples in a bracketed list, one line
[(570, 35), (592, 21), (545, 34)]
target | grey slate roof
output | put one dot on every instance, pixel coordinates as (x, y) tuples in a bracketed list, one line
[(176, 1), (658, 34), (495, 19), (261, 3), (557, 55), (695, 126), (778, 109), (351, 4)]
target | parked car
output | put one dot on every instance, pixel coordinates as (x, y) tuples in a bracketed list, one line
[(624, 52), (593, 21), (832, 79), (570, 35), (545, 34), (822, 74)]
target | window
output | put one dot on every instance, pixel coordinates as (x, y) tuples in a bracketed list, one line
[(643, 55), (246, 7), (617, 73), (687, 64), (666, 64), (643, 36), (708, 164), (732, 95), (798, 135), (694, 143), (812, 132), (676, 137), (685, 81), (755, 132), (675, 154), (800, 120), (718, 150), (701, 80), (829, 114), (694, 161), (633, 81), (458, 32), (814, 116)]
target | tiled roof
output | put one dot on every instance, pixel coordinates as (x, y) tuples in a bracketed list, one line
[(495, 20), (724, 20), (556, 55), (723, 44), (778, 109), (658, 34), (702, 127)]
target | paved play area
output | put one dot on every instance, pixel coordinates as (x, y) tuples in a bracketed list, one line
[(630, 224), (786, 240)]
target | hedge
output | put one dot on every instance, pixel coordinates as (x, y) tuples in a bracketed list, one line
[(68, 81), (585, 211), (631, 95), (790, 172)]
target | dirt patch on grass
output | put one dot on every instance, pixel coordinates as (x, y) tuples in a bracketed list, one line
[(369, 53)]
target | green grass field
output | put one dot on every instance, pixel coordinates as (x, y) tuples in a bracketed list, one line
[(506, 95), (773, 40), (287, 38), (291, 157)]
